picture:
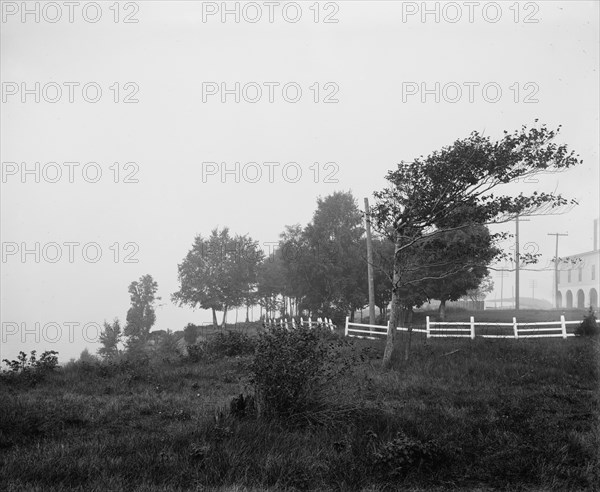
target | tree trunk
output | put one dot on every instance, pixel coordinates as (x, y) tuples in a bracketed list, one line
[(352, 316), (224, 316), (391, 335), (409, 319), (248, 313), (442, 310), (395, 311), (215, 322)]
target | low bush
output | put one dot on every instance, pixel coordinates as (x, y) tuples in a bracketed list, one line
[(589, 325), (231, 344), (30, 369), (191, 332), (291, 369), (196, 352), (393, 459)]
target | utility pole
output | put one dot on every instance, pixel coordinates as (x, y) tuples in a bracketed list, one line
[(517, 262), (556, 267), (533, 284), (370, 264), (502, 275)]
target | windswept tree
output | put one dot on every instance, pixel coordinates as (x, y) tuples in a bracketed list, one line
[(458, 187), (141, 316), (218, 273), (110, 337)]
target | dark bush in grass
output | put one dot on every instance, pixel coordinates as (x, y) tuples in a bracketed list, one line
[(231, 344), (291, 369), (190, 333), (589, 325), (30, 370)]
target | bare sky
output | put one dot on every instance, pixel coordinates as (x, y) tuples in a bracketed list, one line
[(370, 61)]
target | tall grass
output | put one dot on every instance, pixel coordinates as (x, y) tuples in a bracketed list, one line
[(459, 414)]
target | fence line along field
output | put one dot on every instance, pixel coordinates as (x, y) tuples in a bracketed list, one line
[(454, 329)]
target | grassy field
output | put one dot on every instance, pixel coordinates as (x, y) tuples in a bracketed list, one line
[(460, 414)]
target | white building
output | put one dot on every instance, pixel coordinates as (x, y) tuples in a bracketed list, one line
[(578, 284)]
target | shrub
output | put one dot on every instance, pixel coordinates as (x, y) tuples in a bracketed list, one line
[(196, 352), (166, 348), (34, 369), (291, 369), (190, 333), (85, 356), (589, 325), (231, 344), (394, 458)]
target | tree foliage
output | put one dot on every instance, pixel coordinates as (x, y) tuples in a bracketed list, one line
[(219, 272), (456, 188), (141, 316), (110, 337), (322, 267)]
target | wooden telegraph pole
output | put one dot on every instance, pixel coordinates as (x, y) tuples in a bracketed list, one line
[(370, 265), (517, 262), (556, 267)]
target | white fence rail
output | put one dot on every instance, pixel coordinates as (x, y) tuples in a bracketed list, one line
[(371, 330), (292, 324), (443, 329)]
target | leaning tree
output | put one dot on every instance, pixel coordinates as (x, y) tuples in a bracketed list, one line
[(459, 187)]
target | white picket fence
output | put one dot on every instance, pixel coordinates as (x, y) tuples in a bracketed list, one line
[(443, 329), (372, 331), (292, 324)]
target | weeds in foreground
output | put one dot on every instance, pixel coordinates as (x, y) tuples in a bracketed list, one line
[(499, 415)]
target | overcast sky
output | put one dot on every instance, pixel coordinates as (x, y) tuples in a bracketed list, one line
[(539, 60)]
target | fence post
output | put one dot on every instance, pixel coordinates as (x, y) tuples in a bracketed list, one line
[(515, 328), (563, 325), (309, 323), (472, 328), (346, 329), (427, 325)]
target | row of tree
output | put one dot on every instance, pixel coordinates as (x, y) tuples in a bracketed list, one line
[(321, 269)]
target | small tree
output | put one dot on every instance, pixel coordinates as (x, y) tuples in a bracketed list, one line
[(190, 333), (85, 356), (589, 325), (110, 337), (141, 315)]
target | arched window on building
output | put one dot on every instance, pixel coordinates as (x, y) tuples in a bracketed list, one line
[(580, 299), (559, 299), (569, 299), (594, 298)]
